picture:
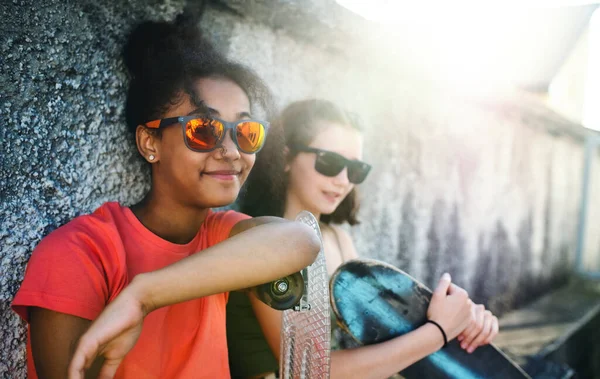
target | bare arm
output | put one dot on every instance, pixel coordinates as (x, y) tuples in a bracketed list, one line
[(348, 249), (250, 257), (54, 336), (338, 247), (268, 251), (270, 321)]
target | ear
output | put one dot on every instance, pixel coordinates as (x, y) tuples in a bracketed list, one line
[(286, 155), (147, 144)]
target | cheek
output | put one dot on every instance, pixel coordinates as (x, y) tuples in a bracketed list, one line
[(350, 188), (172, 145), (180, 161), (303, 177), (248, 162)]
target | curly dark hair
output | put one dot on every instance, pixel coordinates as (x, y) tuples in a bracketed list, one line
[(265, 190), (165, 59)]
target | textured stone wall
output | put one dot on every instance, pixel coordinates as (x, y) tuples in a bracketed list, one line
[(63, 148), (591, 241), (487, 188)]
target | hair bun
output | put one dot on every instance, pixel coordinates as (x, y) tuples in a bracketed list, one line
[(150, 40)]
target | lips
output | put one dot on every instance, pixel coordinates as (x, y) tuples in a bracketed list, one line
[(332, 196), (222, 174)]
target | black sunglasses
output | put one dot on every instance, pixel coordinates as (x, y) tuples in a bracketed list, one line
[(330, 164)]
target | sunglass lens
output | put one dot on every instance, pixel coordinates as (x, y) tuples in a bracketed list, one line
[(357, 172), (203, 134), (250, 136), (329, 164)]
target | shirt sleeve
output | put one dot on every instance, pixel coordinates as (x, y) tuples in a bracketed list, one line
[(66, 274)]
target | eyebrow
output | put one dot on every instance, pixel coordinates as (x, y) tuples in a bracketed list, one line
[(212, 111), (200, 110)]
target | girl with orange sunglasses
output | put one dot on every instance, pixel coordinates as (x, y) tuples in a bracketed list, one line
[(158, 272)]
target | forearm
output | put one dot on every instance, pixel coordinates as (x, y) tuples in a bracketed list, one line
[(261, 254), (387, 358)]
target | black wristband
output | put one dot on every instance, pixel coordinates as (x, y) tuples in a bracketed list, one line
[(441, 330)]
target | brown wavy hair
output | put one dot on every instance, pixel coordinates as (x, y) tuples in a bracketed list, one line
[(265, 191)]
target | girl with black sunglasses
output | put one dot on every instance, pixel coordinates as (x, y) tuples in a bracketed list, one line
[(315, 155), (158, 272)]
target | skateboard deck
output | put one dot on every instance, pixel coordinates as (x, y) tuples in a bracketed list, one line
[(306, 329), (375, 302)]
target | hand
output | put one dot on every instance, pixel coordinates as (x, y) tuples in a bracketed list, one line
[(450, 307), (112, 335), (481, 331)]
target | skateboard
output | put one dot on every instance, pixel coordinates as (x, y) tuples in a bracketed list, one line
[(306, 328), (375, 302)]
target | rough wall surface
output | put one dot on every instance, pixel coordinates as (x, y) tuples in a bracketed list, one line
[(64, 149), (485, 188)]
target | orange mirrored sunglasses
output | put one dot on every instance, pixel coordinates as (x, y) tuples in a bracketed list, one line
[(204, 134)]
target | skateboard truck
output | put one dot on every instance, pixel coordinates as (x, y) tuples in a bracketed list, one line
[(303, 305)]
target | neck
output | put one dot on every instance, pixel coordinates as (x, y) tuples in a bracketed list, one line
[(293, 206), (168, 219)]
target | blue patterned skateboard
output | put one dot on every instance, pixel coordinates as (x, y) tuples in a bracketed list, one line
[(375, 302)]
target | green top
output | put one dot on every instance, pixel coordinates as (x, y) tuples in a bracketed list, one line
[(249, 353)]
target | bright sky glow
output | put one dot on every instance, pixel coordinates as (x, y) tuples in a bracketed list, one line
[(388, 10), (472, 42)]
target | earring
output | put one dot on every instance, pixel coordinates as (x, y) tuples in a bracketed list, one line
[(151, 157)]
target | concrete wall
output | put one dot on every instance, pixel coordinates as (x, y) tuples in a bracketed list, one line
[(485, 187), (590, 261)]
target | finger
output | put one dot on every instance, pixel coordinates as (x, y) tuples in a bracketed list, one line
[(76, 370), (467, 335), (442, 288), (475, 327), (82, 359), (471, 326), (494, 332), (485, 332), (470, 331), (453, 289), (109, 368)]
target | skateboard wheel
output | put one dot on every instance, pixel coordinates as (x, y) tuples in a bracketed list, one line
[(281, 294)]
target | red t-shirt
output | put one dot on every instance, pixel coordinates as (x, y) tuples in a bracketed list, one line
[(79, 268)]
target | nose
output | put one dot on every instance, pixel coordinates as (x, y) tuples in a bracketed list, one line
[(228, 149)]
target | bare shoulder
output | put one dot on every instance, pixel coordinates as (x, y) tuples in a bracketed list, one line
[(345, 241), (341, 232)]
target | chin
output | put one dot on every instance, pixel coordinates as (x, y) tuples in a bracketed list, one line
[(219, 199), (218, 203), (225, 199), (327, 210)]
